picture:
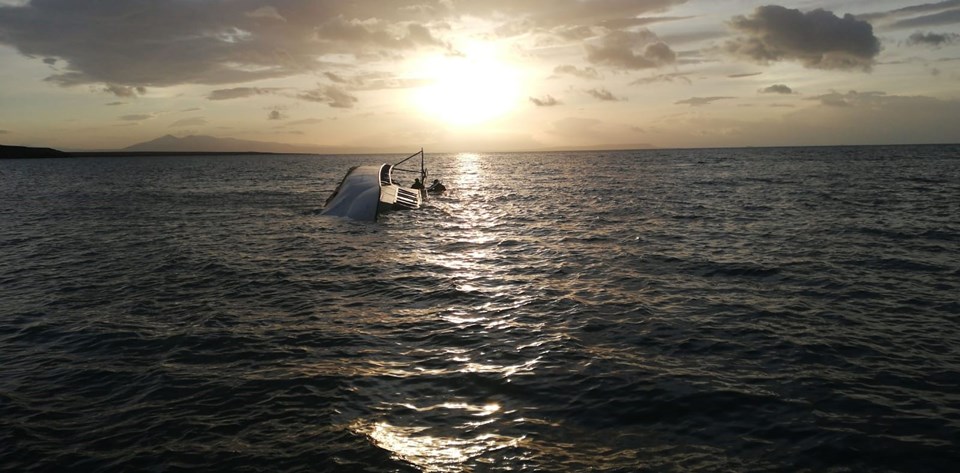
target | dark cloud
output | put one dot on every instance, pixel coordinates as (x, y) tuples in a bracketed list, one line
[(331, 95), (240, 92), (777, 89), (275, 115), (699, 101), (4, 132), (603, 94), (153, 43), (114, 104), (817, 39), (546, 101), (588, 73), (631, 50), (163, 43), (745, 74), (932, 39)]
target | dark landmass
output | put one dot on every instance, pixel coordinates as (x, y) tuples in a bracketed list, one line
[(168, 145), (25, 152)]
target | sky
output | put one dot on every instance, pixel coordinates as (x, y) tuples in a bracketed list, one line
[(474, 75)]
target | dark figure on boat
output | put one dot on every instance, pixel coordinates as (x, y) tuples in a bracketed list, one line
[(417, 184), (437, 187)]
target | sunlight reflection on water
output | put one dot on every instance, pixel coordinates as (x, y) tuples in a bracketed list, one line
[(418, 446)]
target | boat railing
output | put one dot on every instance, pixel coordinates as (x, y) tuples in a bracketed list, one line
[(385, 179)]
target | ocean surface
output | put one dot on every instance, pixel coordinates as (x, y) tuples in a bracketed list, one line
[(793, 309)]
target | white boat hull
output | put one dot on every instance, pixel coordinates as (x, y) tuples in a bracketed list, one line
[(366, 191)]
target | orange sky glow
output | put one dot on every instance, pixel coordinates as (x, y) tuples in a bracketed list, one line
[(458, 75)]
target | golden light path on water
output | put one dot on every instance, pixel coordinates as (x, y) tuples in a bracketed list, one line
[(434, 447), (435, 453)]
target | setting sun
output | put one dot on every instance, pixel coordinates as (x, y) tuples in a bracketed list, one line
[(474, 88)]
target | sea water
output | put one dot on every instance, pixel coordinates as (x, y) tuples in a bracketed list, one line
[(789, 309)]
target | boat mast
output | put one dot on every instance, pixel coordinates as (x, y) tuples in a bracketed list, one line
[(423, 170)]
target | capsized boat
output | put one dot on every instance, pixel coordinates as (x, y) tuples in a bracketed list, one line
[(366, 191)]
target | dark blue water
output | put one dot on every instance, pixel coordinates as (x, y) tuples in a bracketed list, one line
[(708, 310)]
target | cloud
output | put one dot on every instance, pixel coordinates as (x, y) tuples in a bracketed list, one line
[(931, 14), (4, 132), (932, 39), (939, 19), (673, 77), (699, 101), (631, 22), (588, 73), (335, 78), (195, 121), (745, 74), (124, 91), (911, 10), (777, 89), (240, 92), (372, 80), (375, 33), (849, 99), (159, 44), (266, 12), (631, 50), (546, 101), (331, 95), (275, 115), (546, 14), (114, 104), (138, 117), (817, 39), (305, 121), (603, 94)]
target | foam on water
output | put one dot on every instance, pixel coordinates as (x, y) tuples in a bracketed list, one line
[(700, 310)]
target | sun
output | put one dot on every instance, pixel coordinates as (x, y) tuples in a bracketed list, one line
[(468, 89)]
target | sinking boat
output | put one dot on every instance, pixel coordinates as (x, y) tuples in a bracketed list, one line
[(366, 191)]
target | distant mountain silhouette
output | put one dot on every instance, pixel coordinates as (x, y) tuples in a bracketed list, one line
[(212, 144)]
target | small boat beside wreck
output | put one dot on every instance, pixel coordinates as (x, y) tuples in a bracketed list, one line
[(366, 191)]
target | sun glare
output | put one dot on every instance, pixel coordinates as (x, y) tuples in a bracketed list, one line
[(470, 89)]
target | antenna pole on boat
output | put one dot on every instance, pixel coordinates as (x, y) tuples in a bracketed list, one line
[(423, 170)]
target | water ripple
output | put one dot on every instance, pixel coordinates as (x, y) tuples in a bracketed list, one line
[(698, 310)]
